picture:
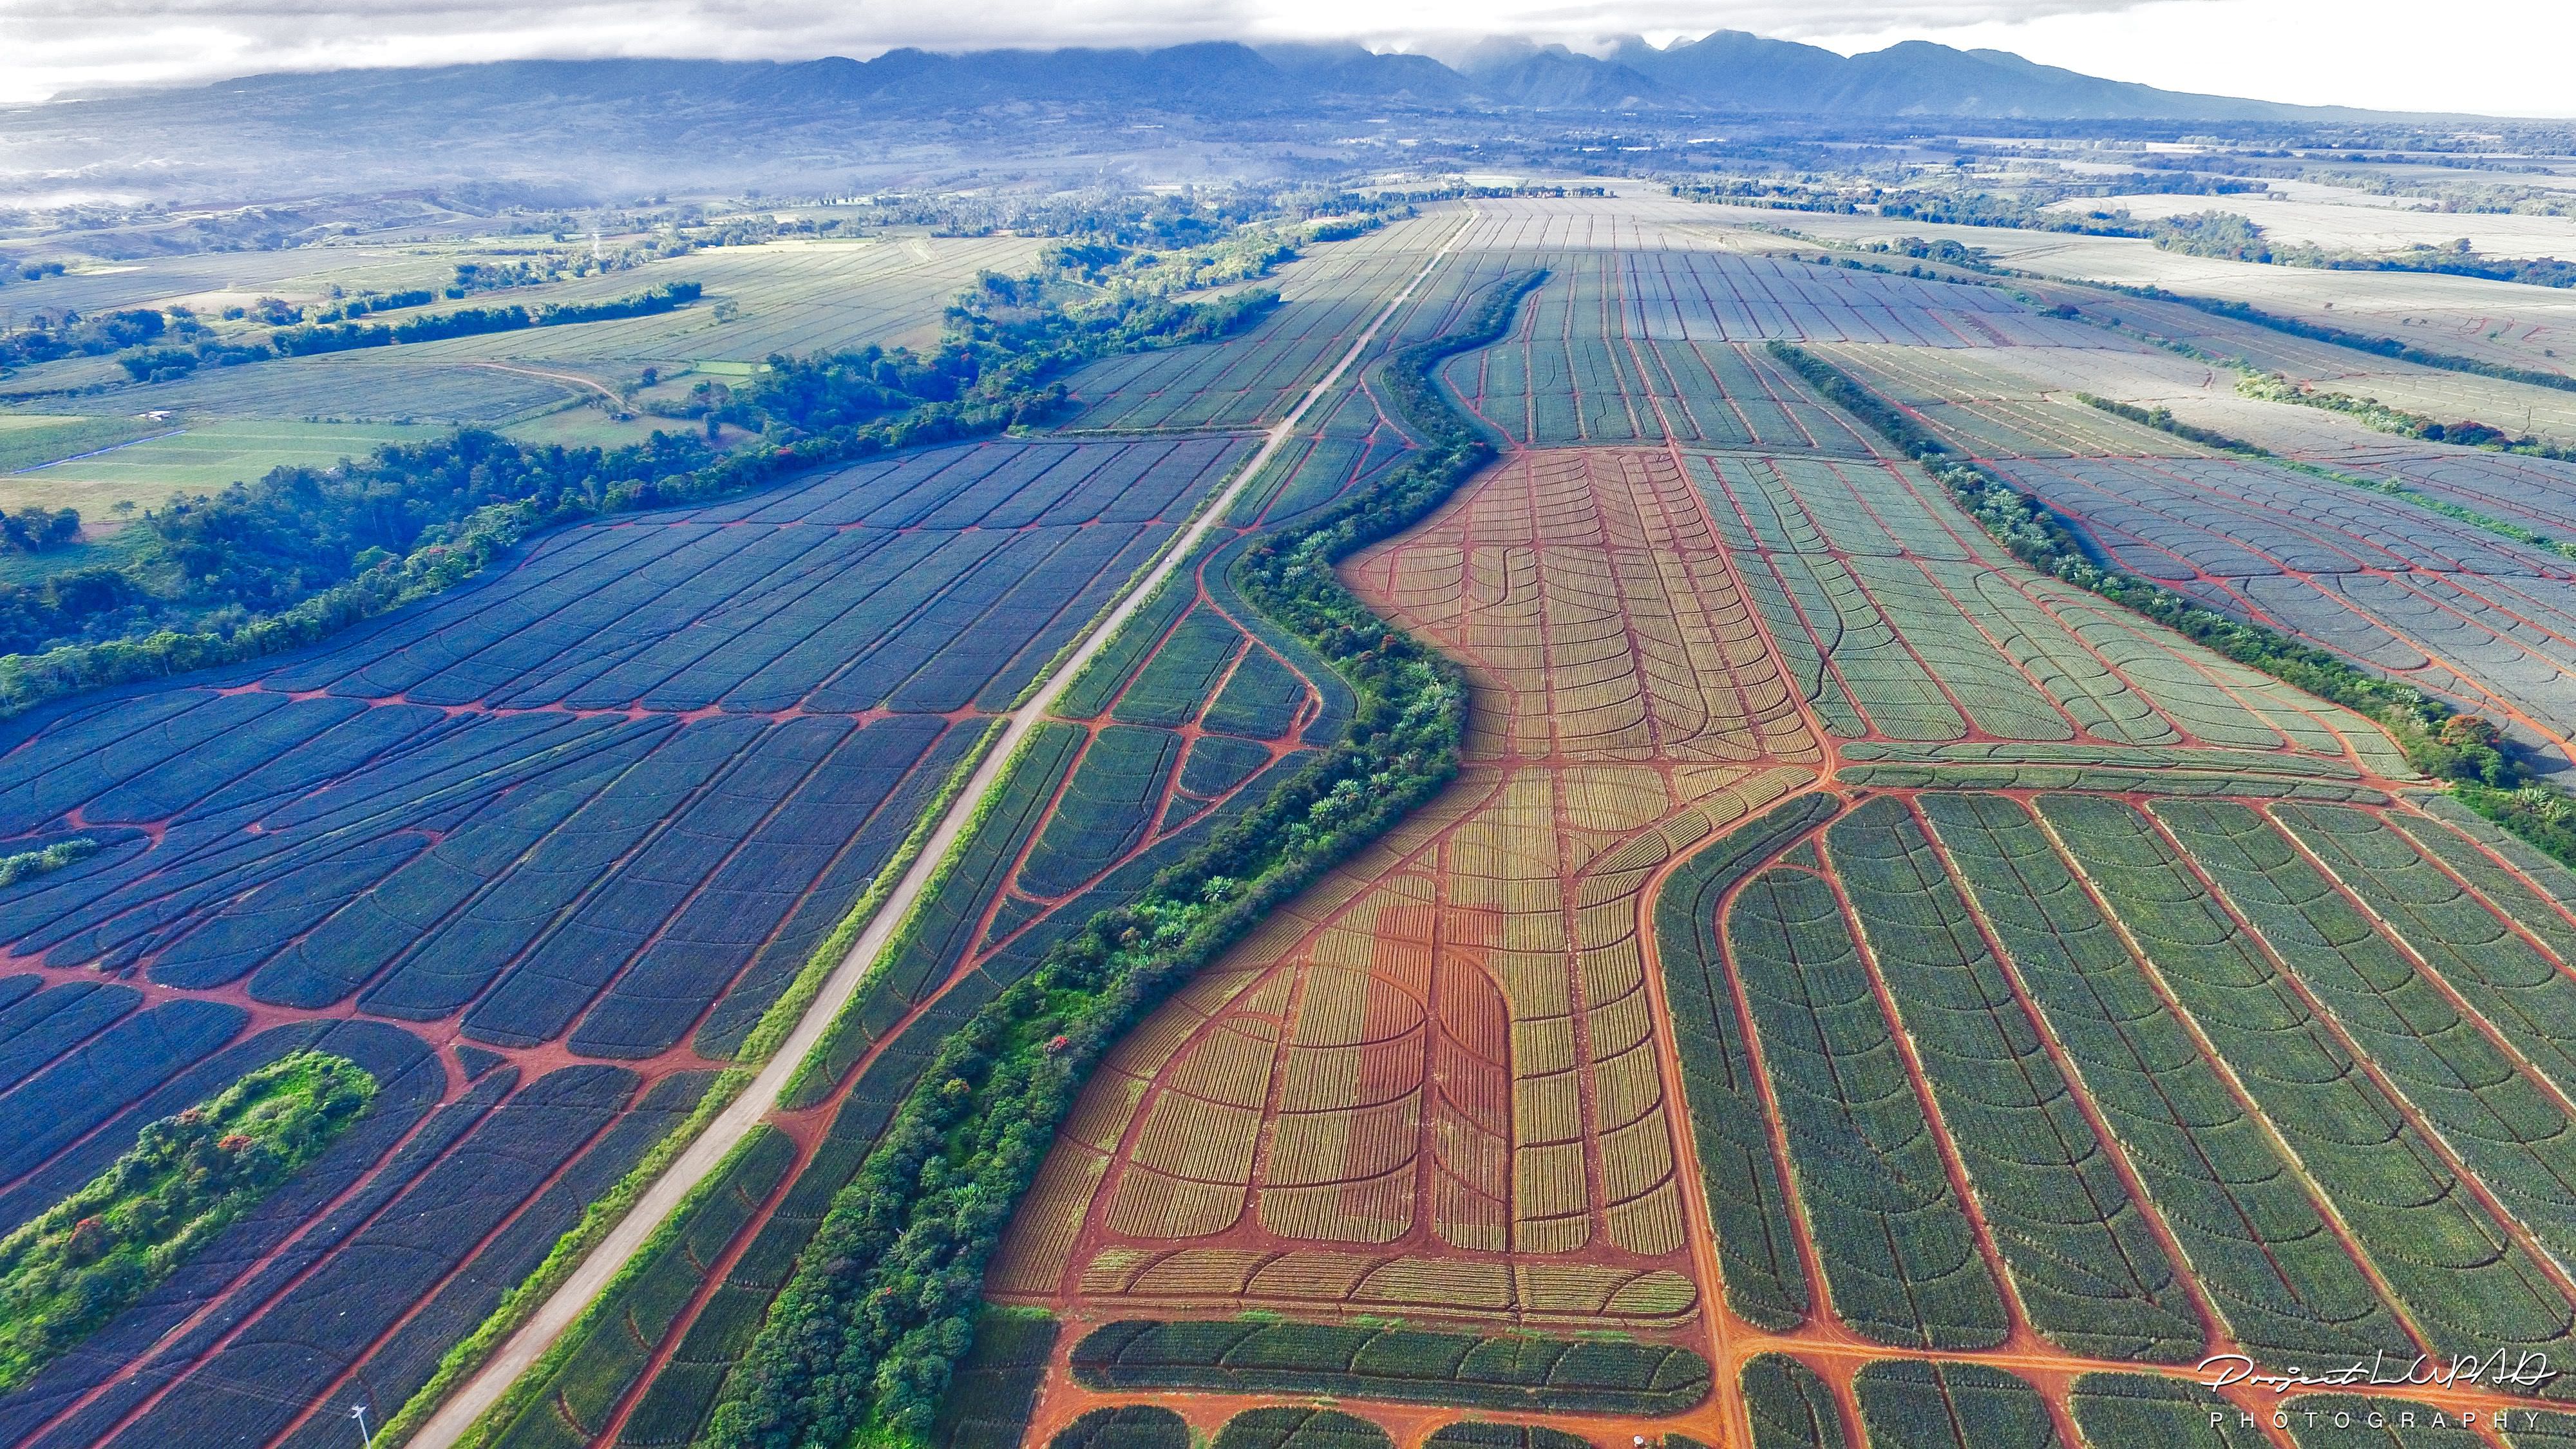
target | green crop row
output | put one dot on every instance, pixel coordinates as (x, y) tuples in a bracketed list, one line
[(2128, 1409), (1899, 1253), (2503, 1124), (1128, 1426), (2462, 1278), (1106, 810), (1478, 1434), (1407, 1365), (1748, 1200), (2091, 1274), (1092, 689), (1175, 684), (1287, 1428), (2475, 945), (2259, 1245), (2273, 387), (1790, 1407), (569, 1395), (997, 1385), (1910, 1405)]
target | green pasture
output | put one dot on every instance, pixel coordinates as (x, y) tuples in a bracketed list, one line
[(187, 455)]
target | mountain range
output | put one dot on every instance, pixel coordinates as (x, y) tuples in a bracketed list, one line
[(910, 118), (1726, 71)]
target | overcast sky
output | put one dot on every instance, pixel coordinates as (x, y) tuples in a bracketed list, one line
[(2503, 57)]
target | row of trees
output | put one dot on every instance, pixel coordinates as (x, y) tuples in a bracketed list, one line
[(280, 561), (865, 1337), (2460, 749), (156, 364)]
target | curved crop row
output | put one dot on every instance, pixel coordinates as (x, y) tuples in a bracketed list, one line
[(2503, 1124), (2259, 1245), (1748, 1199), (1899, 1253)]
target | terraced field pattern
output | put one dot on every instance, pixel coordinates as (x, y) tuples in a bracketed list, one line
[(1855, 992), (1944, 1004)]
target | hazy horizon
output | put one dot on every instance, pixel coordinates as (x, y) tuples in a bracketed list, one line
[(2361, 55)]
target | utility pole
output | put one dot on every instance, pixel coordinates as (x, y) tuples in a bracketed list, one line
[(359, 1413)]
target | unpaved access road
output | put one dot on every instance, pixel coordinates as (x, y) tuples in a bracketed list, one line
[(737, 1121)]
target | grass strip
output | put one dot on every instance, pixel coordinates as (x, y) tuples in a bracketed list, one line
[(2466, 753), (816, 1075), (864, 1339), (780, 1020), (69, 1271), (24, 450)]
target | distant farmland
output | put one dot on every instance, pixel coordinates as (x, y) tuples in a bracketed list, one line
[(2452, 604)]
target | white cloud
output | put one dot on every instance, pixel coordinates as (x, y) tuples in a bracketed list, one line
[(2502, 58), (2376, 53)]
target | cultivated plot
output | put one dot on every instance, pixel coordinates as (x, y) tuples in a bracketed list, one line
[(1193, 716), (2023, 1086), (1326, 300), (602, 804), (2480, 620), (194, 457), (2502, 322), (792, 297), (349, 388), (1577, 372), (1913, 637)]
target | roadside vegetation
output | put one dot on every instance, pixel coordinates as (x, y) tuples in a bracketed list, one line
[(866, 1336)]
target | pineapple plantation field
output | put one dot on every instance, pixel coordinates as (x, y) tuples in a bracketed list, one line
[(1855, 991)]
